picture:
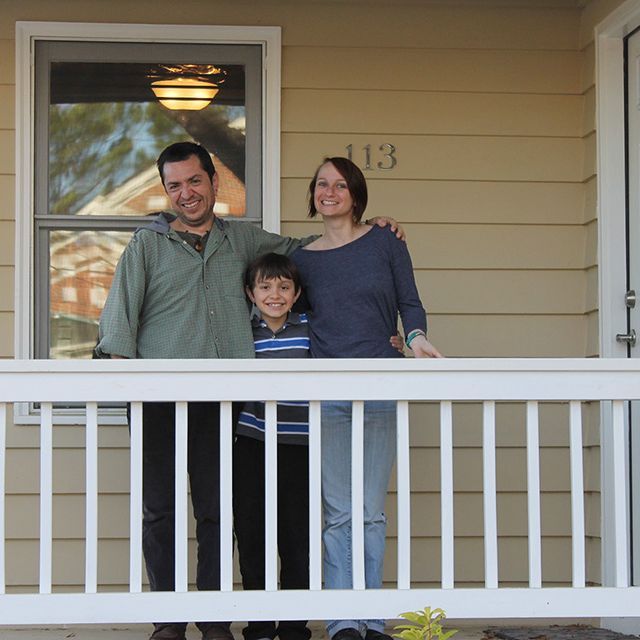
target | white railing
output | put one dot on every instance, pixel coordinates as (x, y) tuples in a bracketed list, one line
[(610, 382)]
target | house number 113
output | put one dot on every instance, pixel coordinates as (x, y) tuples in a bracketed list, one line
[(387, 150)]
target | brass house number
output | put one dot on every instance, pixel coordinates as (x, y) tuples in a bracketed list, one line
[(386, 151)]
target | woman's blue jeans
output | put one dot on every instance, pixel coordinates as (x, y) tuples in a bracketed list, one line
[(379, 456)]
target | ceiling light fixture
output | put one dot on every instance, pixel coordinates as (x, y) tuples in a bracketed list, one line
[(189, 87)]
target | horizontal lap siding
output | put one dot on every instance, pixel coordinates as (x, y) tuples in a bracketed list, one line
[(7, 188), (455, 202)]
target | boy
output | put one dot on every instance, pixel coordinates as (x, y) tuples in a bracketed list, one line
[(273, 285)]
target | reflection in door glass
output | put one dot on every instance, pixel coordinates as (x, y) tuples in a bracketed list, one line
[(81, 267), (106, 129)]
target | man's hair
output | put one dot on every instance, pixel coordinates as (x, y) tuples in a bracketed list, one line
[(269, 267), (356, 184), (180, 151)]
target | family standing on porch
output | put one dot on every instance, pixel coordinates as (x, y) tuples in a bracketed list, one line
[(178, 293)]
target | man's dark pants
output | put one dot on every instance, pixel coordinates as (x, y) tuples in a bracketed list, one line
[(158, 488)]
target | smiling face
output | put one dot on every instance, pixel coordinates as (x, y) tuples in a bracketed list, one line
[(192, 193), (274, 299), (331, 195)]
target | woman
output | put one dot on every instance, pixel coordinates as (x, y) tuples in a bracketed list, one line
[(356, 278)]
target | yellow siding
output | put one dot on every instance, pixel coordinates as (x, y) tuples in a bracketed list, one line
[(6, 286), (7, 60), (429, 68), (403, 112), (7, 244), (7, 144), (452, 201), (447, 157), (7, 115), (6, 334), (502, 336), (7, 207)]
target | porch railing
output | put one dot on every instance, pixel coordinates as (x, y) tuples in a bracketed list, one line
[(607, 385)]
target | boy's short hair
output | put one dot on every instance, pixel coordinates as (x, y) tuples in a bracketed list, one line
[(270, 266)]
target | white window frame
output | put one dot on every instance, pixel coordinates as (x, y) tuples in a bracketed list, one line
[(27, 33)]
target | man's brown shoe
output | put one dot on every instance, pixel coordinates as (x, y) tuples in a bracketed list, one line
[(215, 631), (168, 632)]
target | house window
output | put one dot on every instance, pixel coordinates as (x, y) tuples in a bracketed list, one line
[(88, 128), (99, 129)]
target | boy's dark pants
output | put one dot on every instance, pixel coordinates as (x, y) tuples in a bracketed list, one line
[(158, 533), (293, 526)]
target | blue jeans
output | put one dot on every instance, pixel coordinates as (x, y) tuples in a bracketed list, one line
[(379, 455)]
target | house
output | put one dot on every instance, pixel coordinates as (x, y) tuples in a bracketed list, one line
[(494, 131)]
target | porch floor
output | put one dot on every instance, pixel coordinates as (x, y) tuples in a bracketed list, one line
[(467, 630), (142, 632)]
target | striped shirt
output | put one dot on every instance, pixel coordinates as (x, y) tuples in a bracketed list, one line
[(291, 341)]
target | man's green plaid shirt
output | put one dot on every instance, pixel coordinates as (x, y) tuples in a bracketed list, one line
[(169, 301)]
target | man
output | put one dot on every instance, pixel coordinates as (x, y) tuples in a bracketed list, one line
[(178, 293)]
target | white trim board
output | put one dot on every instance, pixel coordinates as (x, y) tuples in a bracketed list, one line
[(611, 181), (609, 39)]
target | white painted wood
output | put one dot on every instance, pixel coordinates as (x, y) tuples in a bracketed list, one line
[(271, 92), (533, 496), (271, 497), (403, 484), (357, 493), (633, 268), (135, 503), (91, 500), (3, 443), (610, 139), (181, 504), (611, 193), (226, 501), (577, 494), (489, 494), (446, 494), (315, 498), (46, 496), (114, 608), (393, 379), (24, 188), (619, 481), (481, 380)]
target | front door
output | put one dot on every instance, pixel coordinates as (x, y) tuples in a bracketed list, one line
[(631, 334)]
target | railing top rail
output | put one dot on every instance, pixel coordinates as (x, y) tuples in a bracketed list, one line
[(325, 364), (344, 379)]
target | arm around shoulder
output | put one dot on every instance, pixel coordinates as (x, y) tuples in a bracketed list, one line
[(267, 242)]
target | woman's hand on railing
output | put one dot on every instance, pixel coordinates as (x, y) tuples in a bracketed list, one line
[(422, 348)]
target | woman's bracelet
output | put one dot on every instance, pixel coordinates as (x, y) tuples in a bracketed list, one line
[(414, 334)]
